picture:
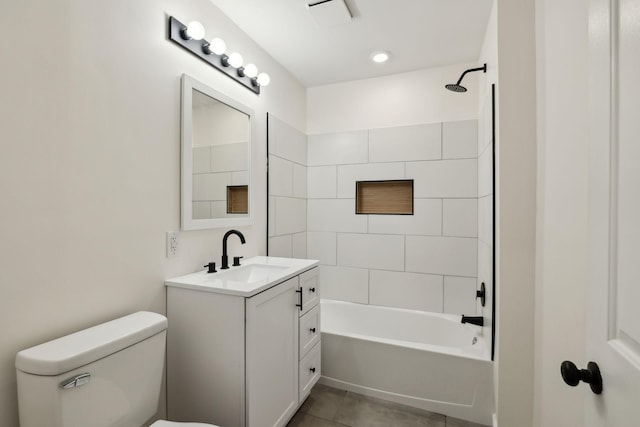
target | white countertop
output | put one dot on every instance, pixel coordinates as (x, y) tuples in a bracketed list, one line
[(238, 280)]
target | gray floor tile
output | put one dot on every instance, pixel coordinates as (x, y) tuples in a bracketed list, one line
[(362, 411), (305, 420), (323, 402), (455, 422)]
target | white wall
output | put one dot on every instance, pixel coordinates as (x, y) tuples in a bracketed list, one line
[(412, 98), (561, 27), (90, 162), (515, 212)]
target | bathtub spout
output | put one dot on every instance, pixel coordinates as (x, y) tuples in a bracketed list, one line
[(474, 320)]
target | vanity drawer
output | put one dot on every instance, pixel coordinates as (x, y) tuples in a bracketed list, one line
[(310, 290), (309, 330), (309, 372)]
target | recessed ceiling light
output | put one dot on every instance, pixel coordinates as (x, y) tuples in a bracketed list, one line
[(380, 56)]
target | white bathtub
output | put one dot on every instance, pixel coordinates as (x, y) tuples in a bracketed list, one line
[(425, 360)]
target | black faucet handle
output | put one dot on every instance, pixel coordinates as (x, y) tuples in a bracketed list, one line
[(211, 267), (236, 261)]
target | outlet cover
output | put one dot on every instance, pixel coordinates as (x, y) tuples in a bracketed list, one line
[(172, 244)]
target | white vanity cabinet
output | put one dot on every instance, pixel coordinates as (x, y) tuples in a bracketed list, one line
[(242, 360)]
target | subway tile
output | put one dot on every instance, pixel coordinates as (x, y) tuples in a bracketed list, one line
[(426, 220), (291, 215), (406, 290), (344, 284), (280, 177), (460, 139), (335, 215), (299, 181), (201, 159), (281, 246), (460, 295), (460, 217), (287, 142), (348, 175), (219, 209), (454, 256), (406, 143), (385, 252), (321, 245), (444, 178), (210, 186), (229, 157), (486, 136), (240, 178), (321, 181), (299, 245), (338, 148), (272, 216)]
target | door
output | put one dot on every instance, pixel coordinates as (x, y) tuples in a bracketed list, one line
[(272, 355), (613, 340)]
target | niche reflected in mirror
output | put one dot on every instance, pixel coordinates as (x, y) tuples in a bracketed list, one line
[(216, 167)]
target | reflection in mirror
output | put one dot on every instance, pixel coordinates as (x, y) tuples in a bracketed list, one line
[(216, 146)]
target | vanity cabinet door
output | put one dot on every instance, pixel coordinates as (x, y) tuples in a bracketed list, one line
[(272, 355)]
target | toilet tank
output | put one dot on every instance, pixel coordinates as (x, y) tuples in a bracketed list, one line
[(105, 376)]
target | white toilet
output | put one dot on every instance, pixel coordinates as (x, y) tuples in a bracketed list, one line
[(105, 376)]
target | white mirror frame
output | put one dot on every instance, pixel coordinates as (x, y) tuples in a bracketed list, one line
[(186, 196)]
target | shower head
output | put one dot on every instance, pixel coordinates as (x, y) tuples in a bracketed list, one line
[(457, 87)]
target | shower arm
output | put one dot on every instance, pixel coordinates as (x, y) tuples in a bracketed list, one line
[(483, 68)]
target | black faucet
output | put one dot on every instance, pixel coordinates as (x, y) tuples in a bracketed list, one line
[(225, 257), (474, 320)]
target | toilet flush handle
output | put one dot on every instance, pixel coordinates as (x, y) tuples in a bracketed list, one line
[(77, 381)]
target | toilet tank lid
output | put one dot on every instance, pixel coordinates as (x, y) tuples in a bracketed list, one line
[(80, 348)]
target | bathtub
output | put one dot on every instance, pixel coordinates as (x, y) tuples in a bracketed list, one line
[(425, 360)]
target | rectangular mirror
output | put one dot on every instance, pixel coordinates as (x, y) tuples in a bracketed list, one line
[(216, 158)]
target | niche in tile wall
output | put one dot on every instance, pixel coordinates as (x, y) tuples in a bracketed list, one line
[(237, 199), (390, 197)]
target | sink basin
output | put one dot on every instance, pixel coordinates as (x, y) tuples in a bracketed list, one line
[(251, 273), (252, 277)]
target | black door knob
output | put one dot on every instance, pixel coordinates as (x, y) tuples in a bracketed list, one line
[(572, 375)]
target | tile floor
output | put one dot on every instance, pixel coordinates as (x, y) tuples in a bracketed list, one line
[(330, 407)]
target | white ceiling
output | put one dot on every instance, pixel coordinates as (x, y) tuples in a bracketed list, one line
[(417, 33)]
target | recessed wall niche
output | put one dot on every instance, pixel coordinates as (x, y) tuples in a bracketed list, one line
[(389, 197), (237, 199)]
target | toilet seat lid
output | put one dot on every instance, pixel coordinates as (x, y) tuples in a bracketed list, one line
[(163, 423)]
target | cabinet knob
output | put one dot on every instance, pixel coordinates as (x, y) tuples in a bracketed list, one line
[(572, 375), (312, 369), (312, 289), (313, 330)]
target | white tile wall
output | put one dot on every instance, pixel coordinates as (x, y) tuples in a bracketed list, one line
[(426, 220), (379, 251), (201, 210), (460, 295), (445, 178), (321, 245), (287, 142), (240, 178), (456, 256), (485, 177), (281, 246), (280, 177), (299, 181), (201, 159), (344, 284), (406, 290), (272, 217), (348, 175), (485, 220), (211, 186), (335, 215), (229, 157), (290, 215), (460, 140), (322, 182), (299, 245), (338, 148), (460, 217), (407, 143)]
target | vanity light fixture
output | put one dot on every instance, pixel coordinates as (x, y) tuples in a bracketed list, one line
[(191, 38)]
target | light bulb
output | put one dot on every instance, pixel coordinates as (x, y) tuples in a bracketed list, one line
[(379, 57), (217, 46), (235, 60), (195, 30), (250, 70), (264, 79)]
